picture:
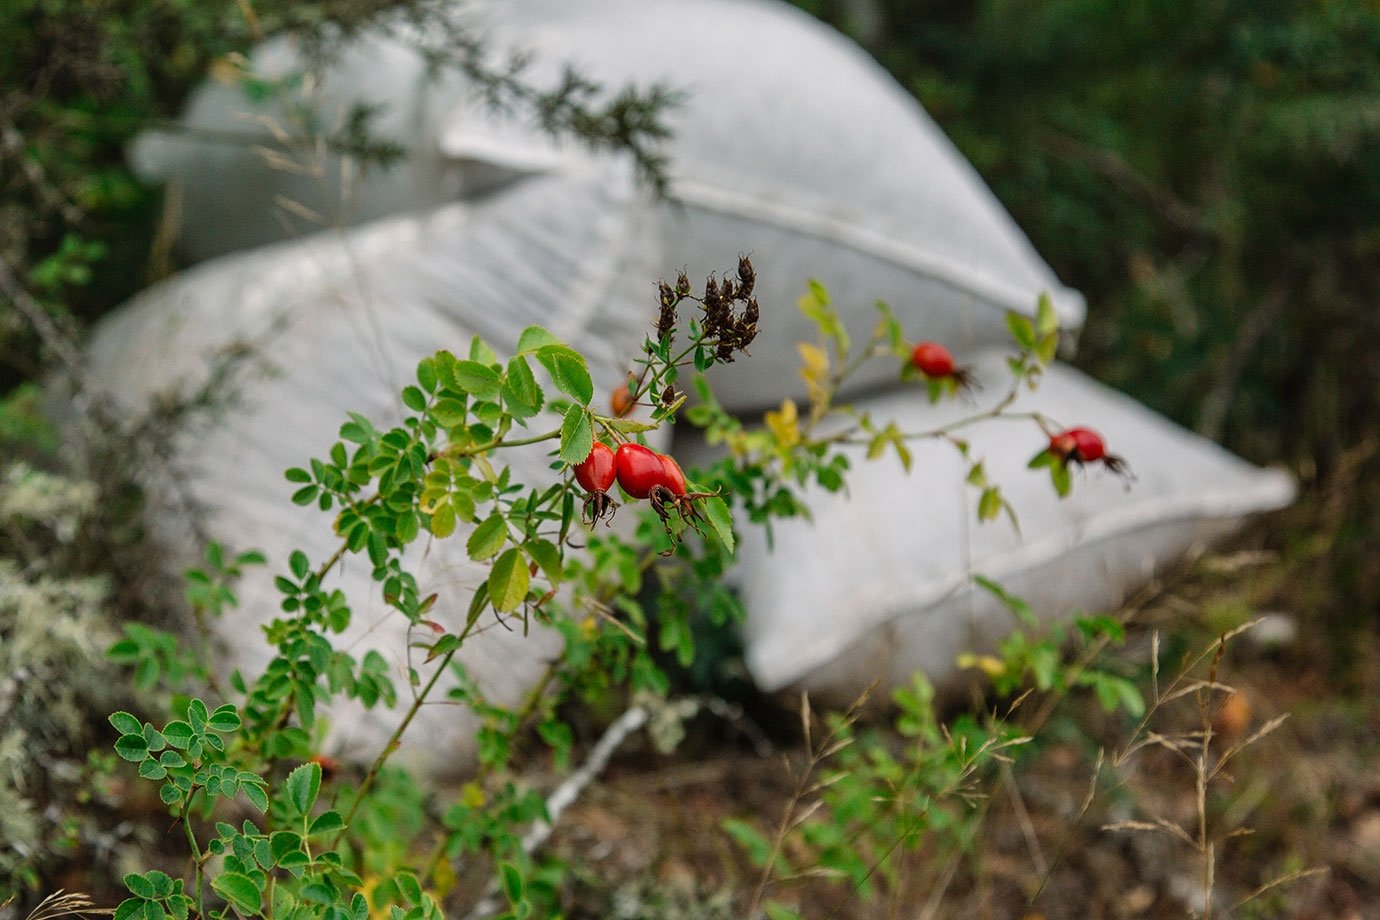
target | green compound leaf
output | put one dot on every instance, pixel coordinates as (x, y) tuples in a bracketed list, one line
[(509, 581)]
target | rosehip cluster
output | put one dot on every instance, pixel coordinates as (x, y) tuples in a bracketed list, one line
[(937, 363), (642, 473), (1083, 446)]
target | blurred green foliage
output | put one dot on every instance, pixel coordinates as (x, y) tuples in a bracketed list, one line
[(1208, 173)]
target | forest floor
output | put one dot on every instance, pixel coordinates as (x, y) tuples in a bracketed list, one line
[(1300, 804)]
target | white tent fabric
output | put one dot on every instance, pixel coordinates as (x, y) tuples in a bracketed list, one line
[(792, 144), (880, 584), (339, 322)]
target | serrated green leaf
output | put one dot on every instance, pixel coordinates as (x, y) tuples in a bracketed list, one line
[(448, 412), (546, 555), (132, 747), (225, 719), (534, 337), (521, 392), (716, 509), (509, 581), (282, 843), (443, 520), (303, 784), (126, 724), (325, 823), (426, 374), (568, 371), (488, 538), (256, 795), (239, 890), (577, 435), (481, 352), (414, 399), (476, 378)]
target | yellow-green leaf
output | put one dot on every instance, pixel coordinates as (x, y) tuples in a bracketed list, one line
[(488, 538), (509, 581)]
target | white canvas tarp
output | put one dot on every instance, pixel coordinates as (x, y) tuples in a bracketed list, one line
[(337, 323), (880, 584), (791, 144)]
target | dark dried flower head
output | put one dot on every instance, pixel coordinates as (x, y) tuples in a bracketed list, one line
[(747, 276)]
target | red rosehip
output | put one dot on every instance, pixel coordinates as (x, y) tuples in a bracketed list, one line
[(1088, 444), (639, 469), (932, 360), (596, 473), (1083, 445), (675, 478)]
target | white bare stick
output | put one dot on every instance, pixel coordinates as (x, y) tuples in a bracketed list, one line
[(566, 794)]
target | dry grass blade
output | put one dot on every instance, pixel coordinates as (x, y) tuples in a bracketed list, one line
[(1240, 746), (62, 904), (1195, 686), (1286, 879), (1159, 825)]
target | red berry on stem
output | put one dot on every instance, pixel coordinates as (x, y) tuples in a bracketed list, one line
[(596, 473), (639, 469), (1081, 445), (933, 360), (1088, 444), (675, 478)]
